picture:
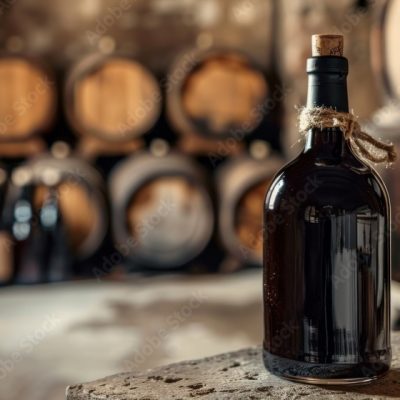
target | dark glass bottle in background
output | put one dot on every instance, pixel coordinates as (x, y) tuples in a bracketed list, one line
[(6, 263), (327, 254), (28, 246), (57, 255)]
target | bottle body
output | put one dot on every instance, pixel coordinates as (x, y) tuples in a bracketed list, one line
[(327, 267)]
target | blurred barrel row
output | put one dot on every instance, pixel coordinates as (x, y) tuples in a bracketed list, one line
[(119, 158), (112, 99), (161, 207), (154, 174)]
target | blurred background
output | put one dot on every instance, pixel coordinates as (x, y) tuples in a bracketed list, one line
[(137, 140)]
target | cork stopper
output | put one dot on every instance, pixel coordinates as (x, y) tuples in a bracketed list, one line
[(327, 45)]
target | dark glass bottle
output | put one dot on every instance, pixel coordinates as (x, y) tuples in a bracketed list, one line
[(58, 261), (28, 244), (327, 254), (6, 263)]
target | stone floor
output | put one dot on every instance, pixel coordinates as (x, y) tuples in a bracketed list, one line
[(53, 336)]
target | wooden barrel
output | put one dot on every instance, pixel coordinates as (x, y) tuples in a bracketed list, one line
[(162, 213), (242, 183), (111, 97), (385, 48), (28, 98), (82, 200), (217, 94)]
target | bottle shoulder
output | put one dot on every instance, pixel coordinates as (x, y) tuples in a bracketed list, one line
[(348, 184)]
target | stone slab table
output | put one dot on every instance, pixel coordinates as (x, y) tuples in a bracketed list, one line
[(238, 375)]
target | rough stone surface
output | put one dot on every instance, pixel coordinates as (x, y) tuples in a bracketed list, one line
[(238, 375), (99, 329)]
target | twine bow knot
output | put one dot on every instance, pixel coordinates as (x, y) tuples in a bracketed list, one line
[(364, 145)]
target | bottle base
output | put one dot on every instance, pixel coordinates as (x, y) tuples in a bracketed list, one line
[(326, 374), (333, 382)]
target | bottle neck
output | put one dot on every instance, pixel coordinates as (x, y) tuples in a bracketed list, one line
[(326, 143), (327, 83), (327, 87)]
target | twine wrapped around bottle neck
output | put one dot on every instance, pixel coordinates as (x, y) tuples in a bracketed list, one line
[(364, 145)]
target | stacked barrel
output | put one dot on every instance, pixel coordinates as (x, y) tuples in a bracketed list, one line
[(27, 104), (169, 168)]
